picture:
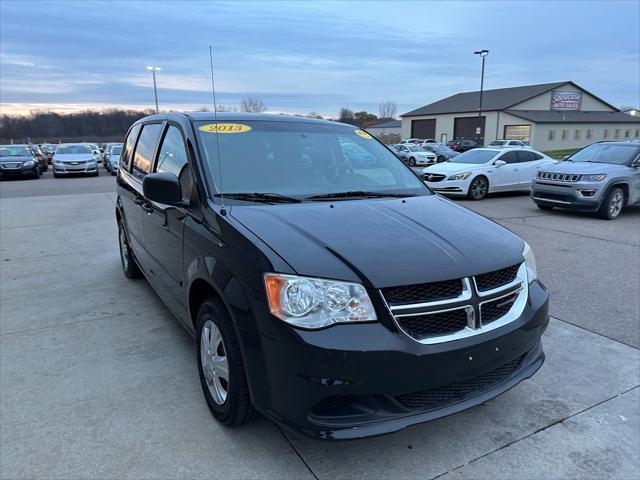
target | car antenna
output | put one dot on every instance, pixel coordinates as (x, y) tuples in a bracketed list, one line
[(223, 210)]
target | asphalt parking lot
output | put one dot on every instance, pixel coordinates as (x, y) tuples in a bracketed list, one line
[(97, 380)]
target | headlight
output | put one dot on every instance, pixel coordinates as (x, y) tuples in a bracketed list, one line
[(530, 262), (28, 164), (315, 303), (460, 176), (593, 178)]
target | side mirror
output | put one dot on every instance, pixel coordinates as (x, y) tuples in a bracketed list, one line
[(163, 187), (499, 163)]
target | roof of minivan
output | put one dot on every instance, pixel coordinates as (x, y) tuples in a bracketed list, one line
[(242, 116)]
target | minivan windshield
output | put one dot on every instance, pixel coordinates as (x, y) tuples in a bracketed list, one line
[(302, 159), (474, 156), (15, 152), (73, 149), (613, 153)]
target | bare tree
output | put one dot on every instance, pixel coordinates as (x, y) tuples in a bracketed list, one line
[(345, 114), (252, 104), (388, 110), (313, 115)]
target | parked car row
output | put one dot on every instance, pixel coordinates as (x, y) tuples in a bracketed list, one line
[(67, 159), (603, 177)]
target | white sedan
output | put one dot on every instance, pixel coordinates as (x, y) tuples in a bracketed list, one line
[(480, 171), (414, 155)]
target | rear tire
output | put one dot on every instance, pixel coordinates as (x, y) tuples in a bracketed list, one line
[(613, 204), (129, 265), (478, 188), (218, 354)]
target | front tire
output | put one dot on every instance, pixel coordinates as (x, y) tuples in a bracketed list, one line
[(412, 162), (478, 188), (129, 265), (612, 205), (220, 366)]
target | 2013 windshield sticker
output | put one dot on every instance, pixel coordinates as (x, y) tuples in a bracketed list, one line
[(363, 134), (224, 128)]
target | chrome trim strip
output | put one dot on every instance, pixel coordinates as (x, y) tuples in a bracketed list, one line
[(551, 201), (466, 295), (497, 298), (469, 329), (514, 283)]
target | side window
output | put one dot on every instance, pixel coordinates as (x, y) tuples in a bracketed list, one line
[(172, 158), (144, 149), (125, 158), (510, 157), (529, 156)]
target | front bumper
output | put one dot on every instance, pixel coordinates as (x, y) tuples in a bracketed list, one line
[(349, 381), (450, 187), (66, 169), (585, 196), (20, 171), (426, 161)]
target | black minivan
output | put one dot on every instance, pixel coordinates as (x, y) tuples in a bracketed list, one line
[(339, 298)]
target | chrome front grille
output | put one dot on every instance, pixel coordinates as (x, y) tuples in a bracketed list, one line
[(483, 302), (558, 177), (433, 177)]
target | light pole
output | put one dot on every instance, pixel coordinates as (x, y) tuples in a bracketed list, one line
[(153, 69), (483, 54)]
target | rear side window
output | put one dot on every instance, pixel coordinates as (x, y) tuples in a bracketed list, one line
[(172, 158), (125, 158), (144, 150), (529, 156), (510, 157)]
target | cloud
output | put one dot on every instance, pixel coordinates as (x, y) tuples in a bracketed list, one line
[(303, 56)]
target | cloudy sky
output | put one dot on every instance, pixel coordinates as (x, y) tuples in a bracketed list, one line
[(308, 56)]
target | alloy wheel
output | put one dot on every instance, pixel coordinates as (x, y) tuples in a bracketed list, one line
[(215, 365), (479, 188), (615, 207)]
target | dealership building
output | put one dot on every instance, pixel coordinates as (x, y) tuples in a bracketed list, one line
[(549, 116)]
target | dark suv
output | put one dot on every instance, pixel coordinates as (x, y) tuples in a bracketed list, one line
[(339, 298)]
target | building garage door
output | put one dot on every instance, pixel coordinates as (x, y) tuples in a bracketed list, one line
[(423, 129), (465, 127)]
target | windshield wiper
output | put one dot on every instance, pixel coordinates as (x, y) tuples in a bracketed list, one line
[(260, 197), (357, 194)]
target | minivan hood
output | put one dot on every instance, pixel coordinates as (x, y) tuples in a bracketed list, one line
[(582, 167), (383, 243)]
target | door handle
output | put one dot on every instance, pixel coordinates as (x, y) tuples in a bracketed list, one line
[(138, 201), (147, 208)]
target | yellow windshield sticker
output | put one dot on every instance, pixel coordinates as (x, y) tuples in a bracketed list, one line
[(224, 128), (363, 134)]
